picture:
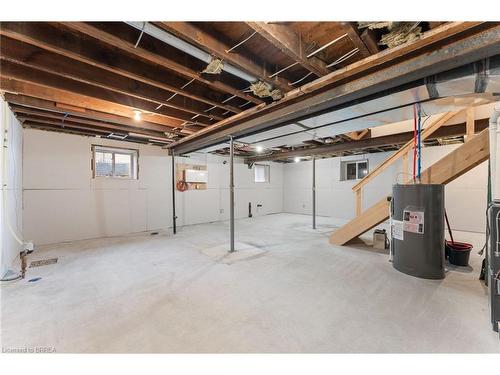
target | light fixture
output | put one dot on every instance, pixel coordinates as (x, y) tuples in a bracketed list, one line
[(259, 148), (117, 136), (137, 115), (297, 159)]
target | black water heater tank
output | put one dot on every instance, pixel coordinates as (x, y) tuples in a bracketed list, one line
[(417, 230)]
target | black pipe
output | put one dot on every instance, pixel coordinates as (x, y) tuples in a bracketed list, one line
[(231, 193), (174, 218), (314, 191)]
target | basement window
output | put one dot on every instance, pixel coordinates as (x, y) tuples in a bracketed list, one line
[(353, 170), (114, 162), (262, 173)]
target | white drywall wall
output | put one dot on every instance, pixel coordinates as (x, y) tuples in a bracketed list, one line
[(11, 182), (465, 197), (62, 202)]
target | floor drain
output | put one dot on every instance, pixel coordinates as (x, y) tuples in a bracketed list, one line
[(43, 262)]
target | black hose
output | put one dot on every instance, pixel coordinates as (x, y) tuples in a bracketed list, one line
[(13, 278)]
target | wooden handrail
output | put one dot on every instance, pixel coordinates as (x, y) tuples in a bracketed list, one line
[(428, 131), (448, 168)]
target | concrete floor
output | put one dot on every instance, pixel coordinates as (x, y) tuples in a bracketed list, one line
[(162, 293)]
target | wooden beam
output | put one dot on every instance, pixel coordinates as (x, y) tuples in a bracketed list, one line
[(405, 168), (77, 125), (60, 108), (385, 70), (370, 41), (49, 80), (110, 39), (199, 38), (81, 130), (426, 133), (288, 42), (459, 161), (470, 114), (111, 59), (69, 129), (62, 96), (69, 107), (69, 124), (359, 202), (373, 216), (453, 165), (58, 118), (393, 140), (352, 31), (37, 58), (356, 136)]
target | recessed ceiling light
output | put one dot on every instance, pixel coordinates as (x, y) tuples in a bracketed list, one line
[(259, 148), (137, 115), (297, 159)]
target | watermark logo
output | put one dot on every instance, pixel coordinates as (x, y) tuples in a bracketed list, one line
[(30, 350)]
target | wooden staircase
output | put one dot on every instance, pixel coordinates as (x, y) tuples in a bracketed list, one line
[(450, 167)]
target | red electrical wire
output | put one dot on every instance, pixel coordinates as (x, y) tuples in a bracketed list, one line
[(414, 142)]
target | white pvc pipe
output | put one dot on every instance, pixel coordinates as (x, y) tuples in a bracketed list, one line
[(494, 128), (496, 187), (5, 149), (180, 44)]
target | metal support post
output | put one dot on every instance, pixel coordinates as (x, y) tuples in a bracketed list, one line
[(174, 217), (314, 191), (231, 193)]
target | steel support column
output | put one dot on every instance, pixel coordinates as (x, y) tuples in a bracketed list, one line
[(231, 193), (174, 218), (314, 191)]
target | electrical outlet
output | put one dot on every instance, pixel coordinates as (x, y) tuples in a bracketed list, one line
[(221, 210)]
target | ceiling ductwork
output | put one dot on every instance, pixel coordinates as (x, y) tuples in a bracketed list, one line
[(185, 47), (480, 79)]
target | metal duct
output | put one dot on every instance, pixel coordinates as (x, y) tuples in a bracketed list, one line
[(494, 155), (180, 44), (482, 77)]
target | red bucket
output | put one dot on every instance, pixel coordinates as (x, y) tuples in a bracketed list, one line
[(458, 253)]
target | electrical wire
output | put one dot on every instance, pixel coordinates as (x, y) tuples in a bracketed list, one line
[(140, 35), (240, 43), (175, 93), (12, 278), (344, 57), (326, 46), (300, 79), (282, 70)]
